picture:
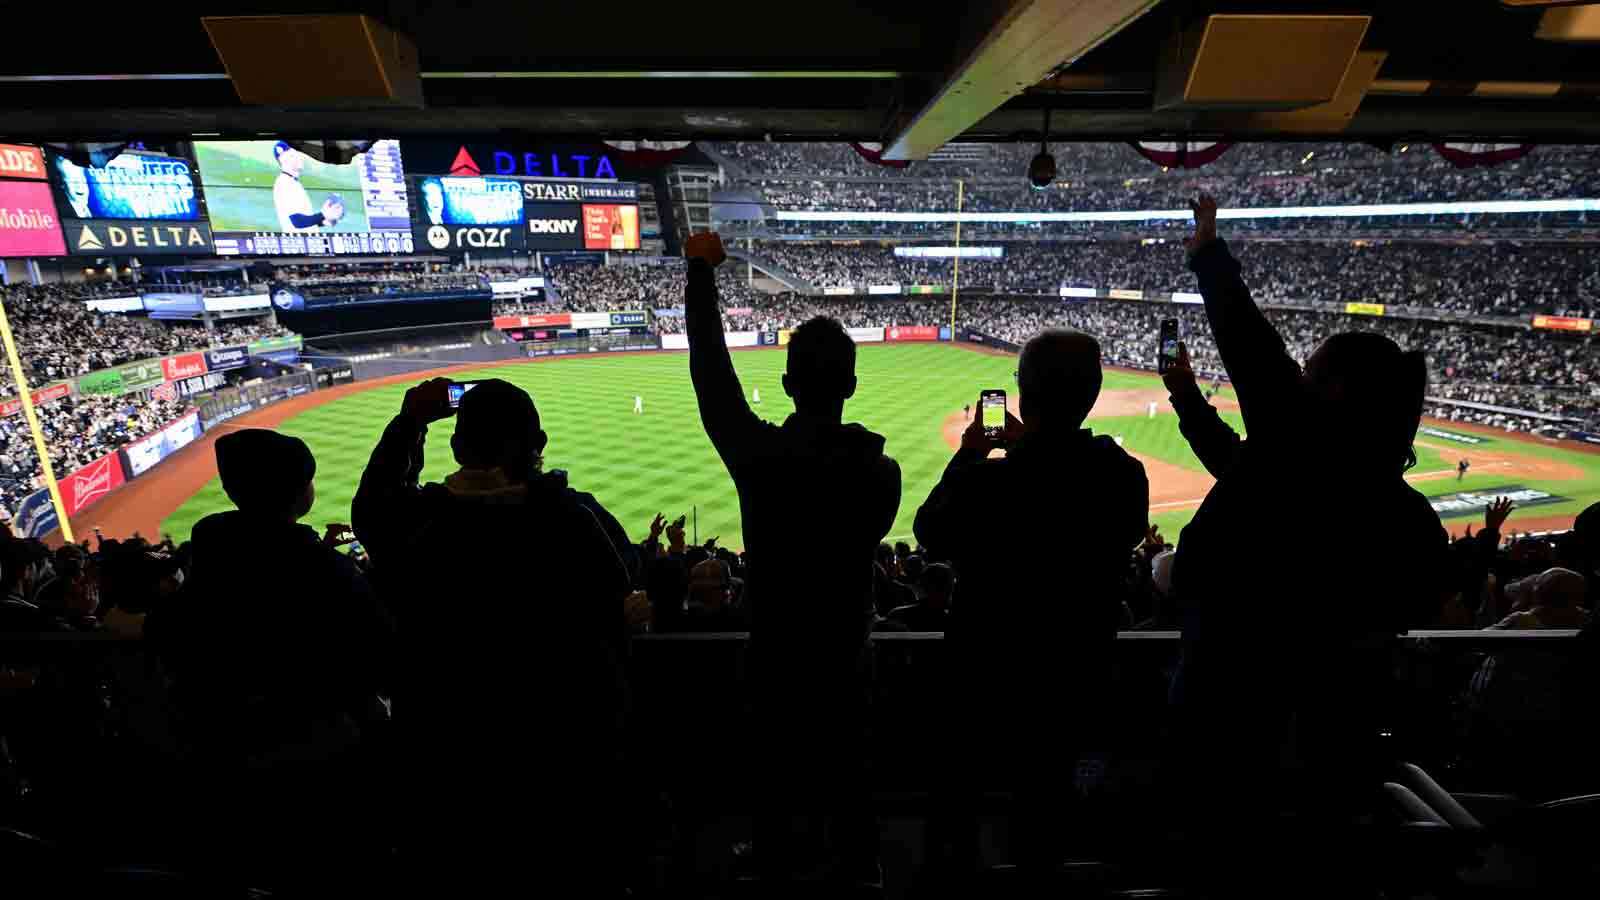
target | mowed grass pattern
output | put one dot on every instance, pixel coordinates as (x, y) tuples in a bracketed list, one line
[(661, 461)]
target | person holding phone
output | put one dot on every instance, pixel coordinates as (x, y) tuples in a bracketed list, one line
[(1041, 541), (445, 552)]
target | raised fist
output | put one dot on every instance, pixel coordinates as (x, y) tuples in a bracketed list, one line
[(706, 245)]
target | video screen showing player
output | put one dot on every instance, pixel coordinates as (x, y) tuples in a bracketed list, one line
[(272, 186)]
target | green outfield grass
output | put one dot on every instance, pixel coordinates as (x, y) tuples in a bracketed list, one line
[(237, 179), (661, 461)]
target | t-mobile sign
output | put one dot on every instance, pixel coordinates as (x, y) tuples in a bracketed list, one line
[(28, 223)]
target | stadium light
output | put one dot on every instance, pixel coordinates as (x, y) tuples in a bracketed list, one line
[(1264, 212)]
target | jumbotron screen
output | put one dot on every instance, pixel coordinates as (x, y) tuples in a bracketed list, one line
[(268, 198)]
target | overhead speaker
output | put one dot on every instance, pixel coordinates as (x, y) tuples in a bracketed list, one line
[(1258, 62), (316, 61)]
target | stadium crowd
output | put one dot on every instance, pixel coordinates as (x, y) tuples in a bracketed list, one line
[(59, 337), (1031, 592), (1100, 177), (1489, 279)]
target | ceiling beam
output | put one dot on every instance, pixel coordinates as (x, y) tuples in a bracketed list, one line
[(1027, 41)]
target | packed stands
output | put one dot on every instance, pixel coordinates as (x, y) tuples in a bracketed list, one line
[(1488, 279), (59, 337)]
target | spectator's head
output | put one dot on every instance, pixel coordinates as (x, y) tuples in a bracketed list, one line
[(1554, 588), (936, 583), (1058, 377), (1161, 571), (821, 366), (497, 427), (1371, 394), (901, 549), (710, 587), (267, 473), (884, 557), (913, 569)]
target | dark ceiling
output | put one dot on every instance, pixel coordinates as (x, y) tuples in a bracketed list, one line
[(889, 58)]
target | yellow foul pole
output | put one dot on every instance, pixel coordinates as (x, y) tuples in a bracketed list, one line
[(955, 280), (25, 394)]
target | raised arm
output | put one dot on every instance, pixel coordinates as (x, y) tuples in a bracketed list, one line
[(952, 519), (1264, 376), (1212, 440), (383, 505), (723, 410)]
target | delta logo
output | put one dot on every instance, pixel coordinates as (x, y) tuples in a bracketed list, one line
[(578, 165), (112, 238), (464, 164)]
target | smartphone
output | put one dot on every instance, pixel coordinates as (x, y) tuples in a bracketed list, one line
[(1167, 352), (457, 388), (992, 412)]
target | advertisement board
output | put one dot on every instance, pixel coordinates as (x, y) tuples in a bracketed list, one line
[(610, 226), (115, 304), (119, 237), (554, 226), (1187, 297), (20, 161), (1364, 309), (731, 338), (35, 515), (133, 186), (268, 345), (40, 397), (91, 483), (28, 223), (270, 198), (105, 381), (1563, 323), (926, 289), (912, 333), (461, 214), (227, 358), (236, 304), (1078, 292), (883, 289), (1125, 294), (145, 453), (838, 291), (187, 365), (141, 375), (142, 203), (865, 335), (170, 305), (916, 252), (528, 286), (552, 320)]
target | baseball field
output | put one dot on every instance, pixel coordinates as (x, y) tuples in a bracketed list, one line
[(661, 461)]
